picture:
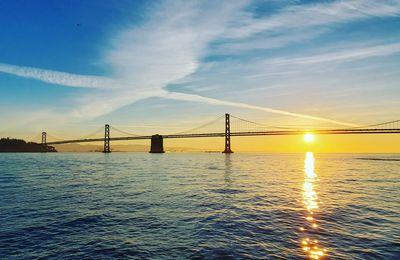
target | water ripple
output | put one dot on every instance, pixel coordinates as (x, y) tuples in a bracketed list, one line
[(197, 206)]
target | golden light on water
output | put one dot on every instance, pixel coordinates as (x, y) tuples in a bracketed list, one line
[(308, 137), (311, 204)]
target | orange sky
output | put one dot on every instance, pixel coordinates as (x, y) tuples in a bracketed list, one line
[(382, 143)]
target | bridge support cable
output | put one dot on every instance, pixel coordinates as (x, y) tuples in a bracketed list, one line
[(106, 139), (216, 122), (57, 140), (53, 138), (227, 135), (93, 134), (386, 125), (124, 132), (244, 125), (35, 139)]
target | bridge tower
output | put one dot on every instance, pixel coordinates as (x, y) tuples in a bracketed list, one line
[(157, 144), (44, 142), (44, 138), (106, 139), (227, 134)]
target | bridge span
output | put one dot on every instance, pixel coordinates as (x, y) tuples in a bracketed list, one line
[(392, 127)]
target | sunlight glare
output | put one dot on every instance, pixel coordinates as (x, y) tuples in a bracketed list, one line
[(310, 245), (308, 137)]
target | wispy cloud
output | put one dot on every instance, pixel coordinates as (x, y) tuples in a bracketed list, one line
[(171, 44), (213, 101), (298, 23), (56, 77), (342, 56), (314, 14), (164, 49), (265, 41)]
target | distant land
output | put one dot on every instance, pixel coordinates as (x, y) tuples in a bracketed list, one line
[(9, 145), (117, 148)]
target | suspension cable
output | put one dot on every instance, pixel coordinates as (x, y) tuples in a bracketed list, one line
[(199, 127), (91, 134), (50, 136), (124, 132), (259, 124), (385, 123), (36, 139)]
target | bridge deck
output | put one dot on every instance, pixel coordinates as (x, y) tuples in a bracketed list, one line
[(291, 132)]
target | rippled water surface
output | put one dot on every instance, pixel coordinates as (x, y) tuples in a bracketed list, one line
[(199, 206)]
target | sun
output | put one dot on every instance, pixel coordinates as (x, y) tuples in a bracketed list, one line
[(308, 137)]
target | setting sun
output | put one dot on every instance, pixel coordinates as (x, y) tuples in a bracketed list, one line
[(308, 137)]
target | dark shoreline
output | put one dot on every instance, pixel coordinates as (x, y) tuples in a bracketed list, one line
[(380, 159), (8, 145)]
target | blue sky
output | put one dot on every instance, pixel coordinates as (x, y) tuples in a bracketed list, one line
[(70, 66)]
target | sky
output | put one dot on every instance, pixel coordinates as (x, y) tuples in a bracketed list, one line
[(69, 67)]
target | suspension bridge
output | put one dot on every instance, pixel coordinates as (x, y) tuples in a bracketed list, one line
[(224, 130)]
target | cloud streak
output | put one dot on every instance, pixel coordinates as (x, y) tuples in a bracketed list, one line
[(98, 105), (315, 14), (173, 42), (342, 56), (297, 23), (56, 77), (213, 101), (338, 56)]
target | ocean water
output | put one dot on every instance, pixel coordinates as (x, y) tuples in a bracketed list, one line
[(199, 206)]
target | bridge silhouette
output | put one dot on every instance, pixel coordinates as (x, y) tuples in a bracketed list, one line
[(157, 145)]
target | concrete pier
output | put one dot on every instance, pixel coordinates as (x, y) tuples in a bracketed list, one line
[(157, 145)]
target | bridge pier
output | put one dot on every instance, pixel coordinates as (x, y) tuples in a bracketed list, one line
[(157, 144), (227, 134), (106, 139)]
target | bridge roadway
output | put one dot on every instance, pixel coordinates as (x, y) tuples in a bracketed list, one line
[(222, 134)]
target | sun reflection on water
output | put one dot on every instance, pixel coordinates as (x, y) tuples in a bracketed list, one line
[(309, 244)]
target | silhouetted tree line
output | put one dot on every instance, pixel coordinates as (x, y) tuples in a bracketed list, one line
[(8, 145)]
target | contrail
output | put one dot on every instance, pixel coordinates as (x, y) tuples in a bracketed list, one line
[(74, 80), (56, 77), (197, 98)]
